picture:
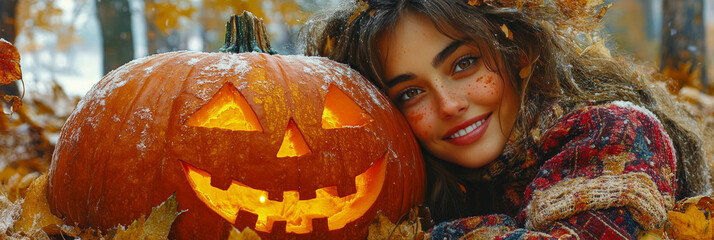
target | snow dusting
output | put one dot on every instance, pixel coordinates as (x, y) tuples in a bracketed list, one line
[(193, 61), (144, 114), (228, 62), (10, 213), (632, 106), (148, 70)]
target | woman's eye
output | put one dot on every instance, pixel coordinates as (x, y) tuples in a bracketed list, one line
[(409, 94), (465, 63)]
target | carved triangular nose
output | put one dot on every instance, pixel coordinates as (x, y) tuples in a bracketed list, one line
[(294, 144)]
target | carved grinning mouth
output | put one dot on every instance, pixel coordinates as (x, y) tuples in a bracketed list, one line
[(298, 214)]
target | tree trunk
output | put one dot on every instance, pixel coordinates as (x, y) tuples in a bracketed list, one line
[(115, 21), (8, 32), (683, 49)]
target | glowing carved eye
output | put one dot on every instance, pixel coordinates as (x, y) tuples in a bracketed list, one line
[(294, 144), (229, 110), (340, 111)]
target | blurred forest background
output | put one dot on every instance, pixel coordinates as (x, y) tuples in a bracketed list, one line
[(66, 46)]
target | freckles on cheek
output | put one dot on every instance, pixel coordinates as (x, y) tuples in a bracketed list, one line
[(417, 122), (485, 88)]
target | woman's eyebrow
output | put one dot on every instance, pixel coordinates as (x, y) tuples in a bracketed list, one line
[(448, 50), (398, 79), (438, 59)]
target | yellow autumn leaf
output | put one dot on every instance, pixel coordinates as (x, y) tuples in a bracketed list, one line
[(246, 234), (507, 31), (156, 226), (692, 224), (9, 63), (36, 213)]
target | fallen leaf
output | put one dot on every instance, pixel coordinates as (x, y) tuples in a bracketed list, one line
[(36, 213), (246, 234), (157, 226), (9, 213), (692, 224), (9, 63), (383, 228)]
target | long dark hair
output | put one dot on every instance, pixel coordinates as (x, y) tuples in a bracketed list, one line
[(569, 68)]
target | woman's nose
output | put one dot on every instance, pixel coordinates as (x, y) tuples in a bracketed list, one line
[(451, 102)]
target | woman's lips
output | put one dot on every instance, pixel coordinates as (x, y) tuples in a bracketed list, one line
[(469, 131)]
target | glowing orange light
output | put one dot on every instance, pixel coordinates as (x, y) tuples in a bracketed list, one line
[(294, 144), (297, 214), (340, 111), (228, 109)]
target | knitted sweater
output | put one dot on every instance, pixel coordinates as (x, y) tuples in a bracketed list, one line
[(602, 172)]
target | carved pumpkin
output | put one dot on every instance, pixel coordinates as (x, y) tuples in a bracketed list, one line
[(286, 145)]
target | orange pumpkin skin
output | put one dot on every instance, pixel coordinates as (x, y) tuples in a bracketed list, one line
[(126, 146)]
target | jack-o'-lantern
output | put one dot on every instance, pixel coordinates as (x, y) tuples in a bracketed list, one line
[(290, 146)]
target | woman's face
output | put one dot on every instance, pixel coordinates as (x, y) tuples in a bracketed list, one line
[(459, 110)]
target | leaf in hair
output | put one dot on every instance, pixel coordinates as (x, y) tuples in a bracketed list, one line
[(507, 31), (526, 71), (362, 6)]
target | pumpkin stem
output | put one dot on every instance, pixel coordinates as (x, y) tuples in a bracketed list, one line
[(246, 33)]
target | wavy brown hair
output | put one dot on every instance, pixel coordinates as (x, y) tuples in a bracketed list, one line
[(570, 69)]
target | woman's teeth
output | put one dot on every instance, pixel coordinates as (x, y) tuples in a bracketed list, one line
[(467, 130)]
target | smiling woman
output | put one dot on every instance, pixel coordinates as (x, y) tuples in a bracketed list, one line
[(460, 109), (531, 129)]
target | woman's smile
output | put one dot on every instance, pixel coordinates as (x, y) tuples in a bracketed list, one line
[(475, 128)]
